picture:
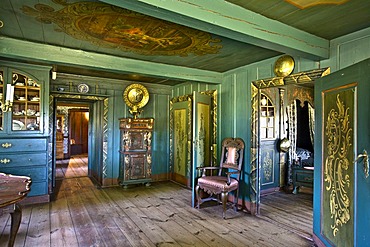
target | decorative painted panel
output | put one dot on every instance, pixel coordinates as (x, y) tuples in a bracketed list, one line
[(267, 166), (180, 141), (338, 169)]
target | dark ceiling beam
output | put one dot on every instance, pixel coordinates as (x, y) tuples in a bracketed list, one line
[(49, 54), (228, 20)]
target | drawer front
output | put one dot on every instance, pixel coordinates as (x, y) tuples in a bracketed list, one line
[(28, 145), (37, 174), (17, 160)]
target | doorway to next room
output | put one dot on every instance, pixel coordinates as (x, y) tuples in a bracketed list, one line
[(72, 125)]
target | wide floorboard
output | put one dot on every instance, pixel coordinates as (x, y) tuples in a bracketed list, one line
[(83, 214)]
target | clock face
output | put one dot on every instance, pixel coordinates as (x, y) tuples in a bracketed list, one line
[(83, 88)]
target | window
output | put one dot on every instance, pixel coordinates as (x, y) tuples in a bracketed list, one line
[(267, 118)]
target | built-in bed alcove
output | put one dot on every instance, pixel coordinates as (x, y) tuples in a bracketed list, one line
[(301, 155), (293, 99)]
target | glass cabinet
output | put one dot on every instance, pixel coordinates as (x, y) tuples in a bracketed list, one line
[(26, 109), (21, 101)]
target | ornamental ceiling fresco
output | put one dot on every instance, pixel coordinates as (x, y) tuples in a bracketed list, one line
[(211, 41), (114, 27)]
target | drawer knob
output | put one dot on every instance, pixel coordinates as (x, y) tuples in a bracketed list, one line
[(6, 145), (5, 161)]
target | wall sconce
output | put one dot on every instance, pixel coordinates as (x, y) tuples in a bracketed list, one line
[(7, 106), (54, 73)]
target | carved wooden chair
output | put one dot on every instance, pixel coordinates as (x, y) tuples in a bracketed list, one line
[(228, 176)]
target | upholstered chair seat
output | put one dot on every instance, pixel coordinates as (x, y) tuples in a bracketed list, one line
[(217, 184)]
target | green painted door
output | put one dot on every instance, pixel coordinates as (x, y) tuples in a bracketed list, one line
[(182, 141), (201, 153), (341, 182)]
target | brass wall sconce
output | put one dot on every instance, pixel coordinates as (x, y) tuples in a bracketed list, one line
[(7, 105)]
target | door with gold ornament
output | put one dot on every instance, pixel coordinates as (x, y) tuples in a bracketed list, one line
[(341, 176)]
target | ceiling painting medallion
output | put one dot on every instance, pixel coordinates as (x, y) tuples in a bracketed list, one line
[(114, 27), (302, 4)]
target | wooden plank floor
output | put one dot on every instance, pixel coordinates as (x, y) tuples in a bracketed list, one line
[(76, 166), (294, 212), (158, 215)]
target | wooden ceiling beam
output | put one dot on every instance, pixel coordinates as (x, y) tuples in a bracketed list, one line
[(228, 20), (49, 54)]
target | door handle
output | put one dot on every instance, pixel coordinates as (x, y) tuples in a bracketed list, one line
[(365, 159)]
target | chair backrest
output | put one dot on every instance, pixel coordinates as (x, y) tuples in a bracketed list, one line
[(232, 155)]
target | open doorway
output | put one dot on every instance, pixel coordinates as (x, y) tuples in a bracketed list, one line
[(290, 204), (72, 128)]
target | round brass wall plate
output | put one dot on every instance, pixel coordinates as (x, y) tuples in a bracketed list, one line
[(284, 66), (136, 96)]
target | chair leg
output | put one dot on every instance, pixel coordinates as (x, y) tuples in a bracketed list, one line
[(197, 188), (236, 196), (224, 201)]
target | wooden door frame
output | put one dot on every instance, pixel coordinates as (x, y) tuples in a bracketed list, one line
[(101, 150), (256, 86)]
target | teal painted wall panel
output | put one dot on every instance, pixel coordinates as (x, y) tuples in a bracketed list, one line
[(160, 150), (348, 50)]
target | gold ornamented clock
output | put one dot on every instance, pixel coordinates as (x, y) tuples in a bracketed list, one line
[(136, 96)]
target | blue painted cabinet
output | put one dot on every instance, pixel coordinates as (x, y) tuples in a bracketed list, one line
[(24, 135)]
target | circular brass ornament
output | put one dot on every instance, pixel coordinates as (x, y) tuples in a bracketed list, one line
[(284, 66), (284, 145), (136, 96)]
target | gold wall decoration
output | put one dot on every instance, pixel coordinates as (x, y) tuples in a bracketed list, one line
[(180, 141), (254, 196), (136, 96), (268, 165), (296, 78), (113, 27), (338, 177)]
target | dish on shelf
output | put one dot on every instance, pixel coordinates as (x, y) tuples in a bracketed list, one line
[(17, 113), (35, 99), (22, 99), (18, 125), (83, 88), (19, 84), (30, 112), (32, 126)]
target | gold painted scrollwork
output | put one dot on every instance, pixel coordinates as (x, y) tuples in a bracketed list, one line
[(267, 167), (336, 177)]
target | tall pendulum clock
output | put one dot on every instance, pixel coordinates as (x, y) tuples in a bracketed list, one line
[(136, 139)]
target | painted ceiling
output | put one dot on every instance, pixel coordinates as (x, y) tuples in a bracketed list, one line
[(164, 34)]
